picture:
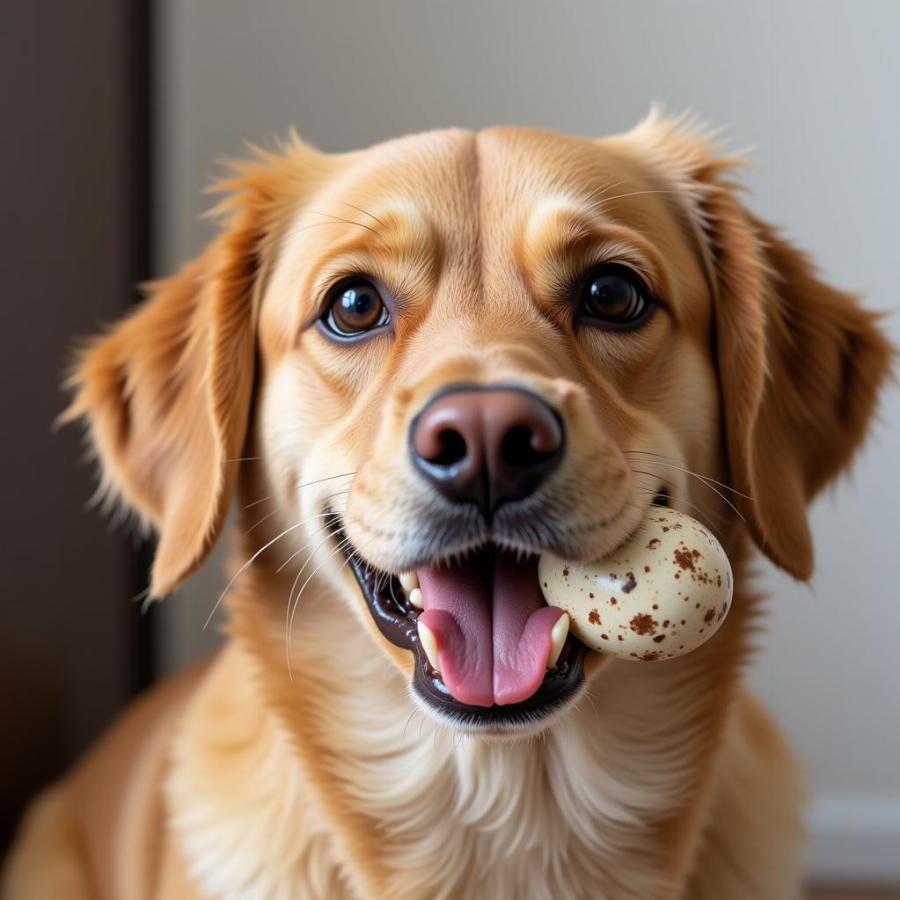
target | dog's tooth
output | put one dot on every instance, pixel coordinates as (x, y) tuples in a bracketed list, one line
[(557, 638), (409, 581), (415, 598), (429, 644)]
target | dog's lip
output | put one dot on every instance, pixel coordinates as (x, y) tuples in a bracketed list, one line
[(396, 620)]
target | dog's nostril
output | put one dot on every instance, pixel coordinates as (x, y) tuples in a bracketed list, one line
[(452, 448), (662, 497), (486, 445), (517, 449)]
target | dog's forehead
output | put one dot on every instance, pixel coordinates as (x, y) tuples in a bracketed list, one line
[(502, 174)]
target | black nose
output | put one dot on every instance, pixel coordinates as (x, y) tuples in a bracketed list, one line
[(486, 446)]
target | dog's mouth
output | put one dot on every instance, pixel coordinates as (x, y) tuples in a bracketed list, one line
[(489, 652)]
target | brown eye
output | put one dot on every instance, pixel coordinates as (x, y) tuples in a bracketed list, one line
[(614, 297), (355, 307)]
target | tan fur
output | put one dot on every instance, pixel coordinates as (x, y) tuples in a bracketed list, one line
[(297, 763)]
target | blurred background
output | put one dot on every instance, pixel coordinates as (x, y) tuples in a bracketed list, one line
[(113, 115)]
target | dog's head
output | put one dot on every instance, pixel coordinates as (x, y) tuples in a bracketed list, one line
[(454, 351)]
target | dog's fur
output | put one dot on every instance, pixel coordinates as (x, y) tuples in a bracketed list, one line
[(249, 778)]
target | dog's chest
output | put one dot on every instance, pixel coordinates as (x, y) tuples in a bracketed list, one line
[(567, 815)]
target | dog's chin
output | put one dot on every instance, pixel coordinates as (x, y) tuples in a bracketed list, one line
[(397, 620)]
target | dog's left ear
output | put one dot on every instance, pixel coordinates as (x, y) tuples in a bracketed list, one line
[(166, 393), (800, 366), (800, 363)]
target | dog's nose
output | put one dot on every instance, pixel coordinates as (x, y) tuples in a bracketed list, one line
[(487, 445)]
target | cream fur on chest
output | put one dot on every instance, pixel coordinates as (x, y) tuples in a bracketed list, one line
[(576, 812)]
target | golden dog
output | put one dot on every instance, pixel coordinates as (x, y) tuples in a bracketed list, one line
[(424, 364)]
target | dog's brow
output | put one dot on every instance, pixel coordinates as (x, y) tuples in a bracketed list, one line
[(560, 222), (389, 227), (557, 220), (392, 240)]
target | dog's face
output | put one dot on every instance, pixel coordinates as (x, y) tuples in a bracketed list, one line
[(505, 338), (471, 349)]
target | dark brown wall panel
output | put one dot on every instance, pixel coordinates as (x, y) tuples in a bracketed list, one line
[(72, 232)]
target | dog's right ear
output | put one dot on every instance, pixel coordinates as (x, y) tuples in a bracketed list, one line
[(800, 363), (166, 393)]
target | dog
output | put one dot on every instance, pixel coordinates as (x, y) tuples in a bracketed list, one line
[(414, 368)]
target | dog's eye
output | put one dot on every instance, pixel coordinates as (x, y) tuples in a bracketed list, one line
[(355, 307), (614, 296)]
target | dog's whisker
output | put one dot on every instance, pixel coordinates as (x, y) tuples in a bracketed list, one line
[(409, 719), (604, 200), (307, 484), (710, 486), (296, 603), (334, 218), (307, 521), (291, 607), (704, 515), (306, 546), (701, 476), (300, 487), (259, 522), (245, 566), (365, 212), (337, 494)]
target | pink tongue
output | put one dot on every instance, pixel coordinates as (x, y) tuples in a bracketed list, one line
[(491, 626)]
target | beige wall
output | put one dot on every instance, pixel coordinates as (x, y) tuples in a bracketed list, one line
[(812, 85)]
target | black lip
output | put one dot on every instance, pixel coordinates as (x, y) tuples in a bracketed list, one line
[(396, 620)]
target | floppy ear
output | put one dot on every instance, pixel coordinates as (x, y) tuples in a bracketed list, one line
[(166, 393), (166, 397), (800, 363), (800, 366)]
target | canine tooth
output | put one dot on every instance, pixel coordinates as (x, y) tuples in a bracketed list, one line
[(415, 598), (429, 644), (557, 638), (409, 581)]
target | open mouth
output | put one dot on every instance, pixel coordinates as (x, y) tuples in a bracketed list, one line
[(488, 650)]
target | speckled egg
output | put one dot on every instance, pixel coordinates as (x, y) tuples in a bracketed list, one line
[(661, 594)]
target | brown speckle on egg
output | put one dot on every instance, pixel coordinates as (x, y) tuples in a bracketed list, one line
[(686, 558), (643, 623)]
